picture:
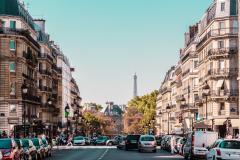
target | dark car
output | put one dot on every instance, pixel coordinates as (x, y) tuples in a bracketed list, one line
[(158, 139), (29, 149), (47, 147), (132, 142)]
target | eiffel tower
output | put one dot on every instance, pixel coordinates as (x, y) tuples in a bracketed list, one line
[(135, 94)]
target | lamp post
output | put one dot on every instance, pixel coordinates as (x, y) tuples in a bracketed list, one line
[(183, 102), (168, 108), (160, 125), (24, 93), (77, 116), (49, 102), (206, 92), (67, 111)]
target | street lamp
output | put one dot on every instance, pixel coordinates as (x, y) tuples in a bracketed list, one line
[(24, 93), (49, 103), (67, 111), (206, 92), (168, 108)]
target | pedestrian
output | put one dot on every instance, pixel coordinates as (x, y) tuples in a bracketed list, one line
[(4, 134)]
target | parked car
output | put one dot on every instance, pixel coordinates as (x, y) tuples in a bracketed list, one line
[(121, 144), (1, 156), (93, 140), (147, 143), (87, 140), (9, 149), (29, 149), (102, 140), (164, 142), (47, 147), (132, 142), (39, 147), (23, 154), (158, 139), (178, 144), (224, 149), (79, 140), (181, 146), (113, 141), (197, 143)]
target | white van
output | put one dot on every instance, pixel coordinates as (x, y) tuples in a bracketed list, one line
[(197, 144)]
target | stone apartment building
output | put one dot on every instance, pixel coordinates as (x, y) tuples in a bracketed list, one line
[(208, 94), (28, 59)]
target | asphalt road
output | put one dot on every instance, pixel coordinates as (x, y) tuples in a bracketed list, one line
[(110, 154)]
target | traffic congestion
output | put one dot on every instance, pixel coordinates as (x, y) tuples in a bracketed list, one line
[(193, 145)]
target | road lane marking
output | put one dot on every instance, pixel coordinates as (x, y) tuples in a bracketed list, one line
[(101, 157), (83, 147)]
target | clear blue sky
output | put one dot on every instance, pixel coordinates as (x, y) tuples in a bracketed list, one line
[(107, 41)]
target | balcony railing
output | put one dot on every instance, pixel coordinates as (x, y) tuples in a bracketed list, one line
[(223, 93), (217, 32), (222, 51), (22, 32), (223, 72), (222, 112), (45, 72), (45, 56), (45, 88)]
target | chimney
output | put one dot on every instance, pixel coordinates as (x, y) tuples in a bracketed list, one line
[(40, 23)]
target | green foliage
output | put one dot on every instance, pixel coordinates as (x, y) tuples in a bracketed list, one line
[(141, 109)]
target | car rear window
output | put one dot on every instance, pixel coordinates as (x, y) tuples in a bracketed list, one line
[(147, 139), (133, 137), (230, 145), (5, 144)]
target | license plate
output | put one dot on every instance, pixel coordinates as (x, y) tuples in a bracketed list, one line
[(133, 141)]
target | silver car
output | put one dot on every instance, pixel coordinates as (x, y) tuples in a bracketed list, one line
[(147, 143)]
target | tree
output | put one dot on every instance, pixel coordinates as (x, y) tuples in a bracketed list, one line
[(140, 113)]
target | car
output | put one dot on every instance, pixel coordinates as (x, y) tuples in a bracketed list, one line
[(102, 140), (164, 142), (113, 141), (147, 143), (79, 140), (158, 139), (29, 149), (197, 143), (224, 149), (47, 147), (178, 144), (93, 140), (9, 149), (87, 140), (132, 142), (1, 155), (121, 144), (39, 147), (23, 154)]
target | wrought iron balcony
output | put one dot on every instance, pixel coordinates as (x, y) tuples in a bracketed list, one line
[(223, 72), (217, 32), (45, 56), (45, 72), (45, 88), (222, 51), (224, 93)]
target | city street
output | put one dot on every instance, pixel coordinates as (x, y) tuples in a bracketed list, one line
[(109, 153)]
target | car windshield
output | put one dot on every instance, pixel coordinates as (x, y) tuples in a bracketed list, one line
[(35, 142), (5, 144), (230, 144), (147, 139), (78, 138), (25, 143)]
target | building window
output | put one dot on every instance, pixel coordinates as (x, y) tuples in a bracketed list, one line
[(222, 6), (12, 45), (221, 25), (222, 106), (220, 44), (12, 67), (195, 64), (13, 108), (13, 24), (221, 64), (13, 88)]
